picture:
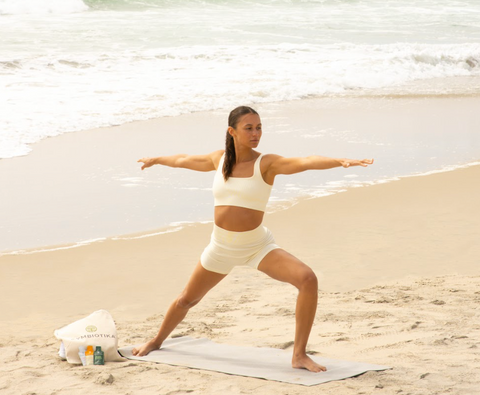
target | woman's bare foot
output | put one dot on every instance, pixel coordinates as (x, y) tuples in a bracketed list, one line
[(144, 349), (305, 362)]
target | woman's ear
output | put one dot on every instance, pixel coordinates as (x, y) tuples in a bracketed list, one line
[(231, 131)]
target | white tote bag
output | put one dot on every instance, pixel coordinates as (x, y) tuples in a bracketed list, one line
[(98, 329)]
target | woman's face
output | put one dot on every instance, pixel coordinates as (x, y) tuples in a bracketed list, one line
[(248, 131)]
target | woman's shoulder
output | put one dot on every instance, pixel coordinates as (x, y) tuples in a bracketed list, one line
[(216, 156), (268, 159)]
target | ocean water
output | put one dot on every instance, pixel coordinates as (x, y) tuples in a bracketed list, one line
[(73, 65)]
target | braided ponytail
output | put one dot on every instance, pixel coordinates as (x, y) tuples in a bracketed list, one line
[(230, 156)]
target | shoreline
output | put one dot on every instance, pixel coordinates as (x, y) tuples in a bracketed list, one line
[(87, 186), (178, 226)]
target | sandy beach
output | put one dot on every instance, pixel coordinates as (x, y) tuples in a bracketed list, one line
[(398, 265), (89, 87)]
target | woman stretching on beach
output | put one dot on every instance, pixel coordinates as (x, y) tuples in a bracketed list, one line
[(241, 190)]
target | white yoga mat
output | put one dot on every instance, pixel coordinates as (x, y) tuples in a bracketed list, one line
[(265, 363)]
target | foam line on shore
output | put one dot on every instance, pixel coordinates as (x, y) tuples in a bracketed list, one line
[(54, 248)]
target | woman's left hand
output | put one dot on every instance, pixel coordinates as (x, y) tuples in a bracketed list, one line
[(355, 162)]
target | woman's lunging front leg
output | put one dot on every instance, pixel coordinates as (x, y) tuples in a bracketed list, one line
[(197, 287), (305, 311), (284, 267)]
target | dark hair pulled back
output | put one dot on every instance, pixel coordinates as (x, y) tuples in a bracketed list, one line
[(230, 157)]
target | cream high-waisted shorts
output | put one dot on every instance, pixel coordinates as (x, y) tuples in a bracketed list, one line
[(228, 249)]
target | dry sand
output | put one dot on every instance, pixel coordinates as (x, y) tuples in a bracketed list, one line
[(399, 274)]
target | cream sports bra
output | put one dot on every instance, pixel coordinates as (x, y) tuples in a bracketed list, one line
[(248, 192)]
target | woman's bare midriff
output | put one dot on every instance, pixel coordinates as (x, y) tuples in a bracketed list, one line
[(237, 219)]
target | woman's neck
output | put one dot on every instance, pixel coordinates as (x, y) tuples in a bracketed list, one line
[(244, 155)]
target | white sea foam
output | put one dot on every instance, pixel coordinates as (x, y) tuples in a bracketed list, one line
[(147, 235), (63, 72), (57, 248), (9, 7), (444, 169), (71, 93), (172, 228)]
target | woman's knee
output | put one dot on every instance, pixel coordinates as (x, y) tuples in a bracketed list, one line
[(186, 302), (308, 280)]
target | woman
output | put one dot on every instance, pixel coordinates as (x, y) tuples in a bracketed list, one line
[(241, 189)]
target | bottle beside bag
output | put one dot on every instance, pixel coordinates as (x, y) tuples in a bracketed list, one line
[(98, 356), (81, 354), (90, 357)]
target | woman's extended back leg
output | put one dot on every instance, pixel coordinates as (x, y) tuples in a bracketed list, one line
[(201, 281)]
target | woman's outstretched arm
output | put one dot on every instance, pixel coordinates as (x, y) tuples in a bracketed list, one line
[(207, 162), (279, 165)]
